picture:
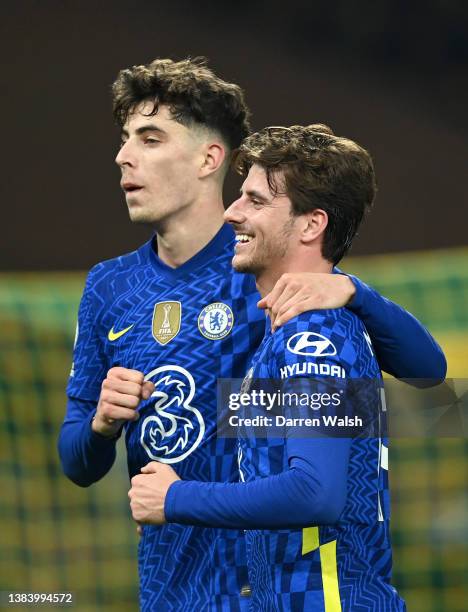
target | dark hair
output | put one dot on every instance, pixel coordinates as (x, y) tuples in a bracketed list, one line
[(193, 93), (317, 170)]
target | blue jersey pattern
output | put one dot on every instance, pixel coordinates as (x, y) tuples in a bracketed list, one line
[(186, 327), (345, 566)]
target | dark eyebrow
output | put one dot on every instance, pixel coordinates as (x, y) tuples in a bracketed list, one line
[(143, 129), (254, 194)]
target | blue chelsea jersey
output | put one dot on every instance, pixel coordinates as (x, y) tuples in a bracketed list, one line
[(183, 328), (347, 565)]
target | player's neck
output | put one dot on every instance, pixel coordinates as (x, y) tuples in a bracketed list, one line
[(267, 279), (182, 237)]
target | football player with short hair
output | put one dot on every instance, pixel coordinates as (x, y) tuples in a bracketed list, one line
[(314, 493)]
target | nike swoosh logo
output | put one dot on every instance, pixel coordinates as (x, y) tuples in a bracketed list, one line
[(112, 335)]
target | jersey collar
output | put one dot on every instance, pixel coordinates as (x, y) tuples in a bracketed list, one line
[(220, 243)]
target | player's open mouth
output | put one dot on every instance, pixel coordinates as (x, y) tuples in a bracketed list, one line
[(131, 187), (242, 239)]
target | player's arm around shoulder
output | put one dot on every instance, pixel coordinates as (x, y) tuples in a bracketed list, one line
[(296, 293), (404, 347)]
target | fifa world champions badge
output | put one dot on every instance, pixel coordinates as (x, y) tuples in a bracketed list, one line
[(215, 321), (166, 321)]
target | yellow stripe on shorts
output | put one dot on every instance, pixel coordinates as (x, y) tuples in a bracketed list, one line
[(331, 591), (310, 539)]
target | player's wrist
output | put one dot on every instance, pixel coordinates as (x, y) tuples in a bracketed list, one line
[(355, 303), (350, 288), (105, 430)]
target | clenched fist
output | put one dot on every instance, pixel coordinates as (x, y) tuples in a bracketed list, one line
[(121, 394), (148, 492)]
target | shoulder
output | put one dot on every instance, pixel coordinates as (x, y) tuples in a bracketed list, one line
[(323, 336), (122, 263), (111, 277), (105, 273), (338, 324)]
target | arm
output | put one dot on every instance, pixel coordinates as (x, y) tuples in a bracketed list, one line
[(89, 433), (86, 444), (404, 348), (311, 491), (85, 455)]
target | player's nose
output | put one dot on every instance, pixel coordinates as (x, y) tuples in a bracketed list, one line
[(125, 156), (235, 214)]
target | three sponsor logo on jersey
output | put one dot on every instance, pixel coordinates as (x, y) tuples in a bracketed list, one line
[(172, 427)]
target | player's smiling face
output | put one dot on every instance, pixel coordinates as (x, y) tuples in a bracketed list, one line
[(159, 160), (264, 227)]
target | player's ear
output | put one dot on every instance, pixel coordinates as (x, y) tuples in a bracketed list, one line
[(313, 225), (214, 156)]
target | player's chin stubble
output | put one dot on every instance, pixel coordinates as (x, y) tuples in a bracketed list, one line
[(138, 215), (240, 266), (247, 265)]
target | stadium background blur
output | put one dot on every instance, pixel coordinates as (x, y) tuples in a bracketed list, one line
[(392, 75)]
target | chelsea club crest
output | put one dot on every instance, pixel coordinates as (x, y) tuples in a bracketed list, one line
[(215, 321)]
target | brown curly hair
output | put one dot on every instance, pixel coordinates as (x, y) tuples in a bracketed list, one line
[(193, 93), (315, 169)]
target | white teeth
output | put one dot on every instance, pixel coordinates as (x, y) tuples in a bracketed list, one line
[(243, 238)]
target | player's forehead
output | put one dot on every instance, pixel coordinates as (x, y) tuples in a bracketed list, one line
[(257, 181), (142, 116)]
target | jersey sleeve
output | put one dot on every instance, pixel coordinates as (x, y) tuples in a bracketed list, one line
[(85, 455), (89, 365), (404, 348), (311, 491)]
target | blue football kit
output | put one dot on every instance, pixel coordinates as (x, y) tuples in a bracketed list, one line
[(324, 497), (184, 328)]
